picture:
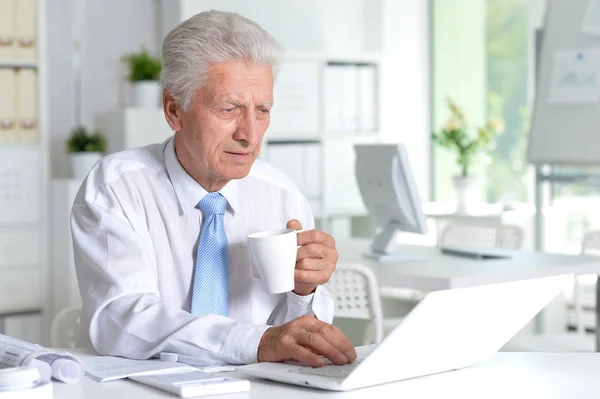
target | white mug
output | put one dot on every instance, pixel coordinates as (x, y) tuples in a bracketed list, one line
[(274, 253)]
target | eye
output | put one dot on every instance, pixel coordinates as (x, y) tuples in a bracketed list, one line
[(229, 110), (264, 110)]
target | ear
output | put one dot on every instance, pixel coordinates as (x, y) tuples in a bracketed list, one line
[(172, 110)]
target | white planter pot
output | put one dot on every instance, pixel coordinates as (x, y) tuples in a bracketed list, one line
[(146, 93), (82, 163), (466, 191)]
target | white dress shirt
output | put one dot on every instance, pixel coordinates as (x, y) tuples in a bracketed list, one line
[(136, 226)]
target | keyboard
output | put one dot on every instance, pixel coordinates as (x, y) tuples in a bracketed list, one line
[(329, 370), (474, 253)]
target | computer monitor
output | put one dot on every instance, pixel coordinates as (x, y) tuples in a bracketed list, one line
[(390, 195)]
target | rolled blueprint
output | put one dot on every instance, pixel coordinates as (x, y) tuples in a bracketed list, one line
[(51, 364)]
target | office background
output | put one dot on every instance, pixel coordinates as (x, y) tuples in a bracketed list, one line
[(354, 71)]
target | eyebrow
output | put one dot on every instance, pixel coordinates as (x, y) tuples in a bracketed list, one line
[(240, 103)]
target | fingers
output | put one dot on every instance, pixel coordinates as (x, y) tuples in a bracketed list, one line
[(315, 236), (301, 354), (312, 278), (329, 341), (306, 339), (317, 251), (294, 224), (315, 263), (320, 344)]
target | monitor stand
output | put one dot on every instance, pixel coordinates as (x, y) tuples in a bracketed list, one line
[(384, 243)]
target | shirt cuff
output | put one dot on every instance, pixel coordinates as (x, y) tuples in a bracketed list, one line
[(320, 304), (241, 346)]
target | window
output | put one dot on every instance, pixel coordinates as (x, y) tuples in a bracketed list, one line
[(480, 55)]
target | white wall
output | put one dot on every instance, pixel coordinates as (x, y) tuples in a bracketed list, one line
[(333, 26), (111, 28), (406, 77)]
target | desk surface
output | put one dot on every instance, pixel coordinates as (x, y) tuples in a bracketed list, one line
[(440, 271), (505, 375)]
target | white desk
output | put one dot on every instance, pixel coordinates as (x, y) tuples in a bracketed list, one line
[(441, 272), (506, 375)]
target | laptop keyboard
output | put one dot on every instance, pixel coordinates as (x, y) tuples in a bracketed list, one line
[(329, 370)]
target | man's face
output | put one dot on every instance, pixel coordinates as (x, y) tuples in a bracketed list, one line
[(220, 136)]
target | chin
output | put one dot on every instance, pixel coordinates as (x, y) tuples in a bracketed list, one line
[(237, 171)]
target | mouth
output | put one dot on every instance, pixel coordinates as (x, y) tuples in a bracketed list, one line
[(239, 156)]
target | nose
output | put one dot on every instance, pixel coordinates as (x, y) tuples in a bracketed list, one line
[(247, 128)]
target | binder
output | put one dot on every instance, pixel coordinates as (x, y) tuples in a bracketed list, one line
[(367, 97), (7, 30), (25, 30), (333, 93), (312, 170), (288, 159), (296, 93), (8, 112), (349, 98), (27, 121)]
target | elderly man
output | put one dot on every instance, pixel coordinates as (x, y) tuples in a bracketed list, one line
[(160, 232)]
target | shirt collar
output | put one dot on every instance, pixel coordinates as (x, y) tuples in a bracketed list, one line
[(188, 191)]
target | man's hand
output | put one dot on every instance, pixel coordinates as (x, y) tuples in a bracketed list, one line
[(316, 259), (306, 339)]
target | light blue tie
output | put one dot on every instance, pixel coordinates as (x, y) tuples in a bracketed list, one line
[(209, 293)]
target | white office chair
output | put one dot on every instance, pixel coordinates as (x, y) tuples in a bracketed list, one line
[(489, 235), (589, 246), (65, 328), (356, 294), (578, 341)]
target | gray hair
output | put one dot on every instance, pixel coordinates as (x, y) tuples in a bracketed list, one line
[(209, 38)]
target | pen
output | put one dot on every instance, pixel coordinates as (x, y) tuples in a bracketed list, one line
[(193, 361)]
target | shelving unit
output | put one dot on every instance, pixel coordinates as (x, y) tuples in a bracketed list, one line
[(24, 170), (307, 102), (18, 64)]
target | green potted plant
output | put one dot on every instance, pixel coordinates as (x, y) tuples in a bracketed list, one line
[(456, 136), (85, 150), (144, 75)]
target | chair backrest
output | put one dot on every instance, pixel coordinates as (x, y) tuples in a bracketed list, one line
[(591, 243), (482, 235), (65, 328), (356, 294)]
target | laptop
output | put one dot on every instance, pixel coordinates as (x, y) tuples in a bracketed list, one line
[(447, 330)]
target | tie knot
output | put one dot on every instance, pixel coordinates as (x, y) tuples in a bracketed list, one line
[(213, 203)]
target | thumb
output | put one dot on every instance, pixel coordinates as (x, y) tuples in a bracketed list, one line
[(294, 224)]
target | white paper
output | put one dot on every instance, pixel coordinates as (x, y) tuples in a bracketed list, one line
[(296, 93), (109, 368), (575, 77), (591, 19), (19, 184)]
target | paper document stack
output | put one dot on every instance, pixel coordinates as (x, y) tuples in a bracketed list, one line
[(51, 364), (110, 368), (171, 376)]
